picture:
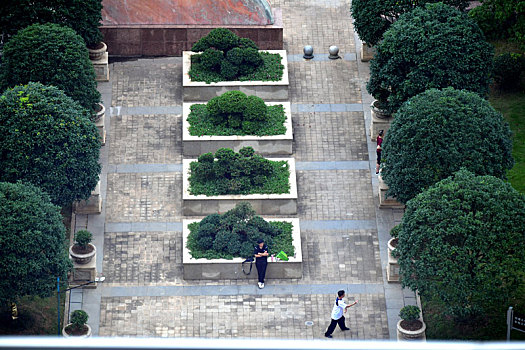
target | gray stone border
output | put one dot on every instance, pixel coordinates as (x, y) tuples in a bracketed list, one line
[(268, 145), (264, 204), (222, 269), (201, 91)]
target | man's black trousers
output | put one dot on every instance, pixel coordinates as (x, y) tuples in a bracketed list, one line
[(261, 269), (334, 323)]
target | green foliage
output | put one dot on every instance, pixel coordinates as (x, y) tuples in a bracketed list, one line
[(219, 38), (271, 69), (83, 238), (462, 242), (394, 232), (47, 139), (436, 133), (79, 318), (234, 113), (52, 55), (432, 47), (374, 17), (507, 70), (235, 233), (83, 16), (32, 238), (245, 172), (409, 313), (239, 59), (501, 19)]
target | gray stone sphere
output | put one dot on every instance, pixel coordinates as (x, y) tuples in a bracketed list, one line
[(308, 51), (333, 50)]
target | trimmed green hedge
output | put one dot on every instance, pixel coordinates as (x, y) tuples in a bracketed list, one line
[(234, 113), (245, 172), (235, 234), (225, 56)]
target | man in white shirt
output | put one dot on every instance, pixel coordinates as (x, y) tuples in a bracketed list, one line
[(340, 307)]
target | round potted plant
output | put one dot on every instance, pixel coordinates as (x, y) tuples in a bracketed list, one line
[(98, 111), (392, 243), (78, 326), (410, 327), (82, 251)]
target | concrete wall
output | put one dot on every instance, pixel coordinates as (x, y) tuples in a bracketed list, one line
[(171, 40), (267, 145), (220, 269)]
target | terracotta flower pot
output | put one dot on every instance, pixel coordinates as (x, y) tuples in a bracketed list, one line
[(81, 257), (86, 335), (97, 52), (410, 334)]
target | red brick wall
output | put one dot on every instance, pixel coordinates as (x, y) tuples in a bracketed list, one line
[(138, 40)]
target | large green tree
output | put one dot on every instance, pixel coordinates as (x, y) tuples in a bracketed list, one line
[(436, 133), (47, 139), (32, 240), (432, 47), (84, 16), (463, 241), (374, 17), (52, 55)]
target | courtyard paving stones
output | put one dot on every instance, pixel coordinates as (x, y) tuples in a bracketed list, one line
[(342, 230)]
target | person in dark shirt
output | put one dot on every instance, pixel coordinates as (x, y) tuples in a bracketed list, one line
[(379, 149), (261, 260)]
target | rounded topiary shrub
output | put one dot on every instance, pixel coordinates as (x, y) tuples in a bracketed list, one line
[(373, 17), (436, 133), (235, 234), (409, 313), (432, 47), (47, 139), (33, 243), (225, 56), (52, 55), (461, 242), (228, 172), (234, 113), (83, 238)]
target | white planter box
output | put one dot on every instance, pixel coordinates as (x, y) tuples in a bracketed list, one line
[(263, 204), (201, 91), (384, 201), (221, 269), (268, 145)]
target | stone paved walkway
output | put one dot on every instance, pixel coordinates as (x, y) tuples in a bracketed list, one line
[(138, 235)]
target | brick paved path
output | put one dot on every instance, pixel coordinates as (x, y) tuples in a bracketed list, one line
[(139, 232)]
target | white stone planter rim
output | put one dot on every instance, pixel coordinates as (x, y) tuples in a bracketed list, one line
[(76, 336), (82, 256), (296, 238), (380, 113), (186, 81), (415, 333), (292, 195), (390, 246), (287, 136)]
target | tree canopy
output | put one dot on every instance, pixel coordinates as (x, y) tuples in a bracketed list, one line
[(83, 16), (432, 47), (52, 55), (374, 17), (47, 139), (436, 133), (463, 241), (32, 237)]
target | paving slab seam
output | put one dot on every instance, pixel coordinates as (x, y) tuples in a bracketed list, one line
[(325, 225), (177, 168), (296, 108), (222, 290)]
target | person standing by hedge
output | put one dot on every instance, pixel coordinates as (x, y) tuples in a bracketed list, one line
[(379, 149), (340, 307), (261, 260)]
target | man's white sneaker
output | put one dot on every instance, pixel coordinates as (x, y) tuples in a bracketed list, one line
[(260, 285)]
